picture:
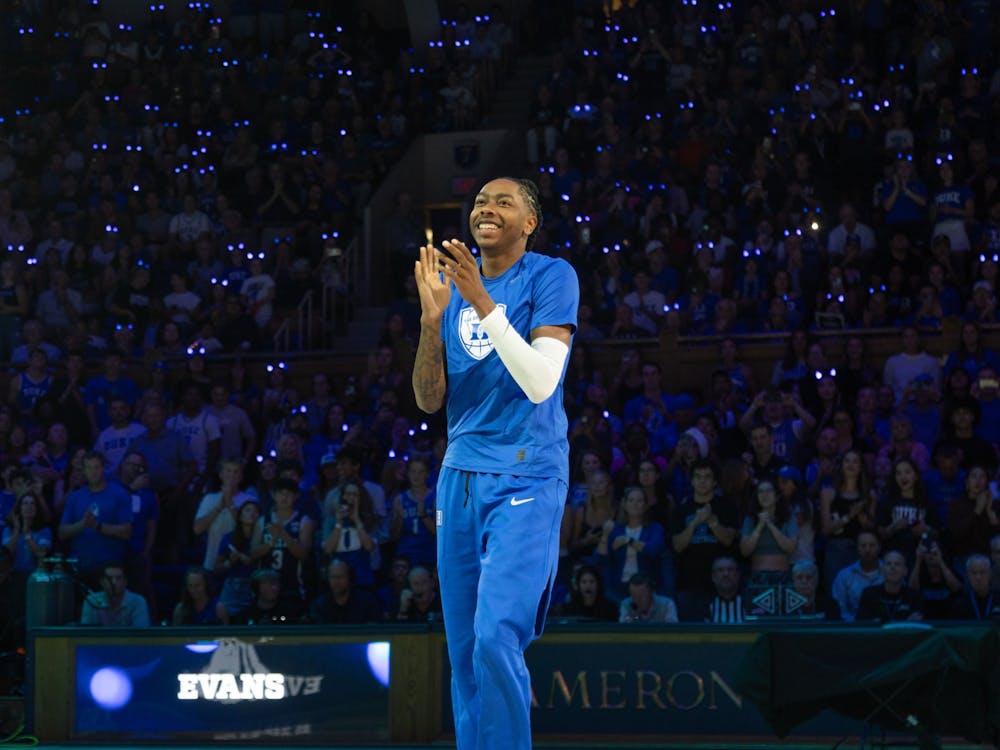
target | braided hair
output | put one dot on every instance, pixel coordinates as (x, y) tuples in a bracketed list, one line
[(529, 191)]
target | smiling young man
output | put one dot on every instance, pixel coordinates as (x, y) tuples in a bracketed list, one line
[(498, 349)]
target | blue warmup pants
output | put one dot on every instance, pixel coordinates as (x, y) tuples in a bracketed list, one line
[(498, 549)]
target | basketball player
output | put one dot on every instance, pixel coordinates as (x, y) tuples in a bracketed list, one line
[(499, 346)]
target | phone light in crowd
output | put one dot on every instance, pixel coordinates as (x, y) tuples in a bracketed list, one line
[(344, 428), (705, 29), (13, 248), (272, 366), (725, 6), (796, 231), (238, 246), (157, 8), (416, 71), (989, 258), (124, 327), (461, 42), (260, 458), (692, 3), (423, 427), (830, 297), (970, 71), (61, 34), (582, 219), (130, 147), (99, 65), (752, 252), (482, 19), (590, 53), (99, 147), (236, 123), (26, 30), (124, 27), (651, 115), (151, 107), (831, 13), (873, 289), (258, 256), (943, 158), (181, 168), (550, 170), (831, 373), (799, 87), (623, 77), (32, 261), (195, 348), (904, 157), (392, 453), (433, 43), (210, 169), (219, 282), (687, 105)]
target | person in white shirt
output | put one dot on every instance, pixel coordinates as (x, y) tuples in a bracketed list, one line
[(197, 427), (181, 303), (216, 515), (647, 304), (258, 293), (850, 227), (189, 225), (114, 440), (902, 368)]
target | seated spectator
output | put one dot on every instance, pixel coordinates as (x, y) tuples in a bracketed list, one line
[(727, 606), (114, 605), (598, 511), (419, 601), (891, 600), (977, 601), (269, 607), (934, 579), (342, 603), (903, 445), (859, 575), (945, 483), (198, 605), (769, 535), (642, 605), (586, 597), (805, 583), (972, 354), (976, 451)]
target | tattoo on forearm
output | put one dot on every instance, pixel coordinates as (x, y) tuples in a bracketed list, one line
[(428, 371)]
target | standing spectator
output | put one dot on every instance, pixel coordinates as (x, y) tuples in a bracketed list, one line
[(190, 224), (97, 521), (634, 546), (26, 388), (134, 478), (973, 518), (114, 440), (25, 534), (703, 527), (237, 553), (114, 605), (14, 307), (413, 519), (101, 388), (59, 306), (845, 511), (199, 429), (904, 515), (288, 537), (849, 227), (903, 367), (237, 436), (218, 511), (642, 605), (350, 537), (770, 533)]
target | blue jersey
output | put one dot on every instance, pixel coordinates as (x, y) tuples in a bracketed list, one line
[(492, 426), (30, 391)]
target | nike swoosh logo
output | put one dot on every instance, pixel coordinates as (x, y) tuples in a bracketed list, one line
[(522, 501)]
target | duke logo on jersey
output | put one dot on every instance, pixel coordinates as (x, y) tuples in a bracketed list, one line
[(471, 332)]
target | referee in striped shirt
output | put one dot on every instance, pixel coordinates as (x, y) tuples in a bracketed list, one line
[(726, 606)]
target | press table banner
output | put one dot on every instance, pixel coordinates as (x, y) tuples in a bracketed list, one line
[(232, 689), (638, 683)]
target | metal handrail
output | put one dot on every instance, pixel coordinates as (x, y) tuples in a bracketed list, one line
[(303, 316)]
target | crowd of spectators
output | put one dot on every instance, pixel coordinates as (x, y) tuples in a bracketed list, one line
[(709, 169)]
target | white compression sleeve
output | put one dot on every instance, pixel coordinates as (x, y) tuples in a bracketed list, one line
[(536, 367)]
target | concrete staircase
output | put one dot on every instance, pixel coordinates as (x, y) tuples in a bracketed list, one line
[(363, 331), (510, 105)]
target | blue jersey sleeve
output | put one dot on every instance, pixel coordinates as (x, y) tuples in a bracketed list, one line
[(556, 296)]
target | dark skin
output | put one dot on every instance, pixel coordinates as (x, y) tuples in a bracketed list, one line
[(501, 222)]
